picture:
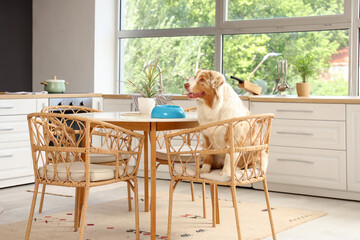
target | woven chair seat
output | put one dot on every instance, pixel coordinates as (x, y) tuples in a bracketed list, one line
[(104, 158), (77, 172), (214, 175), (186, 157)]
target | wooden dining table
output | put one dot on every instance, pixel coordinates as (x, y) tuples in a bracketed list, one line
[(139, 122)]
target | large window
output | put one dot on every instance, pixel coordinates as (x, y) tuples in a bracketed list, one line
[(330, 49), (233, 36), (265, 9), (178, 56)]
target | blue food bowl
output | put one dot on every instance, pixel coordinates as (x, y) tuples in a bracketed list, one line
[(167, 111)]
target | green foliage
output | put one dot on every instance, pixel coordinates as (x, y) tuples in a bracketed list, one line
[(149, 86), (304, 65)]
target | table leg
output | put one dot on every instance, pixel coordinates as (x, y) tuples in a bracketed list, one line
[(153, 180), (146, 171)]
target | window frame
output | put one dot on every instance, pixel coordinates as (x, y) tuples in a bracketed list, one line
[(348, 20)]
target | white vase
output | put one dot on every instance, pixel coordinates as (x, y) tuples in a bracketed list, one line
[(146, 105)]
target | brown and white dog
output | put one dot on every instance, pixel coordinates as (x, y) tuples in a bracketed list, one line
[(216, 100)]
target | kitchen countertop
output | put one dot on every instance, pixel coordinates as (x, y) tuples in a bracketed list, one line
[(311, 99), (260, 98), (63, 95)]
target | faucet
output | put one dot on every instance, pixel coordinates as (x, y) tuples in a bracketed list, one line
[(262, 61)]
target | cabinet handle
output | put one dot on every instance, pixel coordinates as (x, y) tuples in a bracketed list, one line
[(295, 133), (6, 155), (6, 107), (294, 160), (296, 111), (6, 129)]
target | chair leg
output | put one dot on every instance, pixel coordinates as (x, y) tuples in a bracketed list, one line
[(204, 199), (42, 197), (171, 195), (136, 199), (79, 202), (129, 196), (269, 209), (76, 211), (83, 212), (192, 191), (32, 209), (217, 205), (213, 204), (234, 199)]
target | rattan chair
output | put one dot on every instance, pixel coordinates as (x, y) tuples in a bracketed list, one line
[(95, 159), (161, 158), (53, 136), (246, 150)]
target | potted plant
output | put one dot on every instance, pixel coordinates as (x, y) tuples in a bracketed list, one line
[(148, 87), (305, 67)]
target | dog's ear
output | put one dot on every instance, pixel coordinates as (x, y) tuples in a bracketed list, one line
[(197, 73), (217, 81)]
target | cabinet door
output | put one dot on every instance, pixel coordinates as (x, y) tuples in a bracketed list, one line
[(353, 147), (306, 111), (308, 134), (307, 167), (15, 162), (98, 104), (117, 105), (17, 106)]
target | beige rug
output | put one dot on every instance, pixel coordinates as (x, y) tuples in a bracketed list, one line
[(113, 221)]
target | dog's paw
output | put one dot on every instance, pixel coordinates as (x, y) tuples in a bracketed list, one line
[(205, 168), (225, 173)]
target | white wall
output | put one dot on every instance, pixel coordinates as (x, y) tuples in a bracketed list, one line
[(75, 40), (105, 46)]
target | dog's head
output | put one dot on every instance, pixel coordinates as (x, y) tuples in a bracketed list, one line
[(205, 84)]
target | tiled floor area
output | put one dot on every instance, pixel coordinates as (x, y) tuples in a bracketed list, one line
[(341, 223)]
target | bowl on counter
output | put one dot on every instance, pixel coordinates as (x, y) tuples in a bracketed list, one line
[(167, 111)]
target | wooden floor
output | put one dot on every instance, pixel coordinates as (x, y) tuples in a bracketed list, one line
[(341, 223)]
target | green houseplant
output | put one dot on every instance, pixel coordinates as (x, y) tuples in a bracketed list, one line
[(304, 65), (148, 87)]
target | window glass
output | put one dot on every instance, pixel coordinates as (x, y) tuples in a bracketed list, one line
[(242, 53), (178, 56), (265, 9), (163, 14)]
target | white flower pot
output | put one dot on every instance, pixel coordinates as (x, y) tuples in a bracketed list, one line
[(146, 105)]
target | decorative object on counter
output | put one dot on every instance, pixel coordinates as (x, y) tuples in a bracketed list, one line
[(281, 72), (305, 67), (248, 86), (168, 111), (54, 85), (149, 87)]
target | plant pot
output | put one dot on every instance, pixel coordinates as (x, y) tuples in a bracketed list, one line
[(303, 89), (146, 105)]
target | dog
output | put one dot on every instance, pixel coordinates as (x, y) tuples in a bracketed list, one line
[(216, 100)]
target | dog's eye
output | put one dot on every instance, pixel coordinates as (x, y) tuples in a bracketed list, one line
[(202, 79)]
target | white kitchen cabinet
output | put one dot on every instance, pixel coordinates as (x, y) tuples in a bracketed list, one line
[(98, 104), (15, 154), (308, 134), (117, 105), (353, 147), (308, 145), (307, 167)]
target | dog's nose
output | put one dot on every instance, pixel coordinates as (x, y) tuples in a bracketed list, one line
[(186, 85)]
